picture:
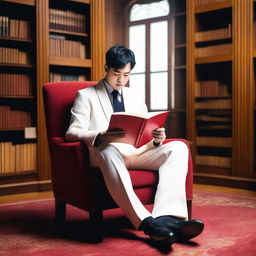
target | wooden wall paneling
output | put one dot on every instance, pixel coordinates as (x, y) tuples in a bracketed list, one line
[(191, 128), (243, 89), (98, 39), (42, 45), (115, 22)]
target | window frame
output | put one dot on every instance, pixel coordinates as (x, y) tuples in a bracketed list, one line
[(171, 50)]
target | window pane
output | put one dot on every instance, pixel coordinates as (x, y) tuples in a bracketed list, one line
[(159, 91), (147, 11), (137, 81), (137, 43), (158, 46)]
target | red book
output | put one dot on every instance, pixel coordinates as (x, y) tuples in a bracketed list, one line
[(138, 127)]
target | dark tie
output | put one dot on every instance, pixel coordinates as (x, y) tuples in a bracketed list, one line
[(117, 105)]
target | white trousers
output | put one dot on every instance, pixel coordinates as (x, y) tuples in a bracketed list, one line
[(171, 160)]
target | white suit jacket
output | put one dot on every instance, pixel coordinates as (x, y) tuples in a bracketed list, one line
[(91, 114)]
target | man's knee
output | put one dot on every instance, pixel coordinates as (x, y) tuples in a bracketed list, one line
[(178, 146), (107, 154)]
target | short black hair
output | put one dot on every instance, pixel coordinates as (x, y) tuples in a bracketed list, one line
[(118, 56)]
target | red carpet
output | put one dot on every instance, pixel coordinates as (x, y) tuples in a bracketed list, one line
[(27, 229)]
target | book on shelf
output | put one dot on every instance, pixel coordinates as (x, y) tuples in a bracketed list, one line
[(60, 46), (15, 84), (215, 50), (214, 141), (58, 77), (14, 28), (214, 104), (138, 127), (10, 118), (216, 161), (17, 158), (13, 56), (212, 88), (67, 20)]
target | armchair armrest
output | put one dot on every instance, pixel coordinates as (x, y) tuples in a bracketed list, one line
[(70, 171)]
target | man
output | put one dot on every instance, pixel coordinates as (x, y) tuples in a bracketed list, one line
[(90, 118)]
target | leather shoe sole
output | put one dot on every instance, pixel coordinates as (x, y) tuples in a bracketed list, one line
[(168, 240), (189, 230)]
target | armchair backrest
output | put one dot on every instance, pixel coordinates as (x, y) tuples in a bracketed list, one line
[(58, 100)]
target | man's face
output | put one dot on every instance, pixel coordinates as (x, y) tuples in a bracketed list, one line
[(118, 78)]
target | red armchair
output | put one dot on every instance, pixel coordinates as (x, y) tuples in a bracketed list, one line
[(73, 181)]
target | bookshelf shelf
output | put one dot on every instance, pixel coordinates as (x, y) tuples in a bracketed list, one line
[(16, 97), (212, 97), (18, 173), (11, 129), (15, 39), (224, 58), (59, 31), (24, 2), (213, 7), (81, 1), (16, 65), (65, 61)]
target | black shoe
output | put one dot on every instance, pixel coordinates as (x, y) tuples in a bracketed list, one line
[(157, 232), (184, 230)]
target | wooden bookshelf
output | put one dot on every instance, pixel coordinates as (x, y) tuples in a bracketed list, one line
[(233, 70), (17, 39), (213, 7), (37, 13), (178, 107)]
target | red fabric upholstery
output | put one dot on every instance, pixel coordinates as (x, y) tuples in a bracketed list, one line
[(73, 180)]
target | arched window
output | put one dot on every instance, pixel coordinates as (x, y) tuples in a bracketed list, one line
[(149, 24)]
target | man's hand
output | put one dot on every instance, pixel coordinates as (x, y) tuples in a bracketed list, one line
[(158, 135), (106, 137)]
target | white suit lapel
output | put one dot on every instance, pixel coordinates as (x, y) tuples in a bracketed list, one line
[(104, 100)]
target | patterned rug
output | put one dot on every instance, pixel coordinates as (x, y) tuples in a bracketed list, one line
[(27, 228)]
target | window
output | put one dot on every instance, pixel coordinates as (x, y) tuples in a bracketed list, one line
[(149, 24)]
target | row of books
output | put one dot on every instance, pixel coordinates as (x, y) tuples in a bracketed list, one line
[(17, 158), (13, 56), (214, 118), (214, 104), (211, 88), (214, 141), (58, 77), (215, 50), (67, 20), (217, 161), (14, 118), (204, 2), (15, 84), (214, 34), (67, 48), (14, 28)]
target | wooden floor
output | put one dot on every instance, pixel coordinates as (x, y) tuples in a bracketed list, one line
[(42, 195)]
